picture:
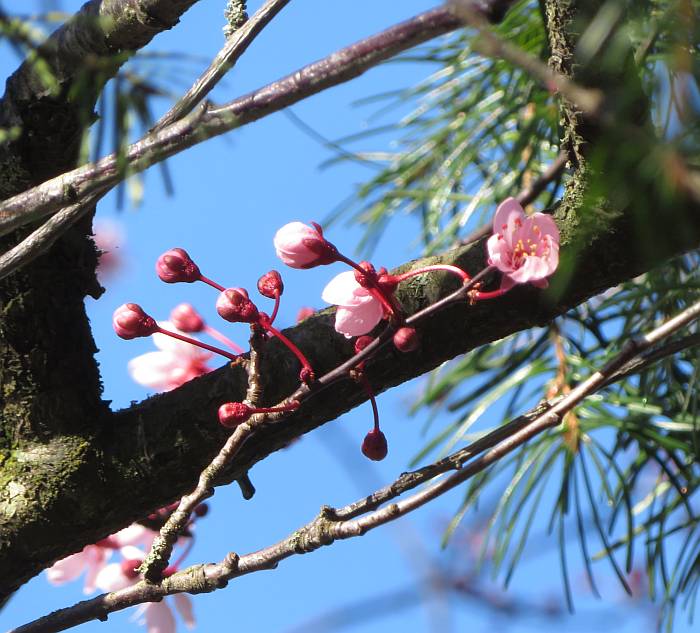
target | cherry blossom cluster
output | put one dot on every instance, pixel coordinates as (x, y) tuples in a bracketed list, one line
[(525, 249), (130, 544)]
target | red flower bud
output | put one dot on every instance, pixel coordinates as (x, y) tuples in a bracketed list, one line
[(270, 285), (374, 445), (186, 319), (129, 567), (234, 305), (406, 339), (130, 321), (201, 510), (176, 265), (301, 246), (231, 414), (361, 342)]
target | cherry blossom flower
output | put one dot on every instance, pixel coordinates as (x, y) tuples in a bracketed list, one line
[(524, 248), (302, 246), (93, 558), (358, 310), (109, 238), (174, 364), (157, 616)]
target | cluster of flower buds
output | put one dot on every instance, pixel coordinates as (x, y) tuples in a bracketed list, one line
[(525, 249)]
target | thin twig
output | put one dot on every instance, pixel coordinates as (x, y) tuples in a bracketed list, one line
[(224, 61), (40, 240), (330, 526), (205, 122)]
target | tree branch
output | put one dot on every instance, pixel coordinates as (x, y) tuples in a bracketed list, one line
[(358, 518)]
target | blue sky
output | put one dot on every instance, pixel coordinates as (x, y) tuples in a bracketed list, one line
[(231, 194)]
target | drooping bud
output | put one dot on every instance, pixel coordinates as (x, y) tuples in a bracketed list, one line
[(301, 246), (231, 414), (130, 321), (176, 265), (365, 280), (270, 285), (186, 319), (406, 339), (201, 510), (374, 446), (361, 342), (130, 566), (234, 305)]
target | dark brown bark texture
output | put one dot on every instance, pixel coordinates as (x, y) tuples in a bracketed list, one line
[(50, 398), (72, 472)]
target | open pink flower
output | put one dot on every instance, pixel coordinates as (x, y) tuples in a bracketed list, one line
[(93, 558), (524, 248), (358, 310), (157, 616), (174, 364), (301, 246)]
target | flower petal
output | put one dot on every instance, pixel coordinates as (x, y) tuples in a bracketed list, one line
[(67, 569), (343, 290), (159, 618), (112, 578), (152, 369), (358, 320), (509, 215), (183, 604)]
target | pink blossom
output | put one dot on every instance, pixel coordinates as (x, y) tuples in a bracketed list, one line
[(174, 364), (90, 560), (358, 310), (93, 558), (157, 616), (524, 248), (186, 319), (109, 238), (301, 246)]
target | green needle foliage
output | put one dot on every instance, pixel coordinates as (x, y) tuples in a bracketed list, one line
[(621, 473)]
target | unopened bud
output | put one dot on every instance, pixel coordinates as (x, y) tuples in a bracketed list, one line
[(301, 246), (186, 319), (231, 414), (201, 510), (374, 445), (130, 321), (176, 265), (361, 342), (406, 339), (270, 285), (234, 305)]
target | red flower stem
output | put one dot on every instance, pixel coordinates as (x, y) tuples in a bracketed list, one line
[(273, 316), (290, 406), (293, 348), (370, 393), (223, 339), (197, 343), (213, 284), (444, 267), (377, 292), (480, 296)]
